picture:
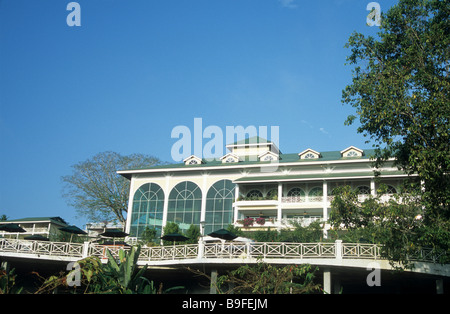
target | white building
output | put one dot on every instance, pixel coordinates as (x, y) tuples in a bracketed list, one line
[(253, 180)]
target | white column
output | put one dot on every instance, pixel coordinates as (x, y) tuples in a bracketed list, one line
[(338, 249), (327, 281), (204, 193), (279, 211), (373, 191), (325, 201), (166, 202), (236, 209), (130, 206), (85, 252)]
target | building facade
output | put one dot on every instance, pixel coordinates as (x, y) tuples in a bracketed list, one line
[(253, 186)]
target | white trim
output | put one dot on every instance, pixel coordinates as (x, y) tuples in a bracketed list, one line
[(308, 150), (325, 179), (350, 148), (240, 166), (225, 157), (192, 157), (276, 156)]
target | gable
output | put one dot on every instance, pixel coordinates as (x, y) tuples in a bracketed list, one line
[(309, 154), (352, 151), (192, 160), (268, 156)]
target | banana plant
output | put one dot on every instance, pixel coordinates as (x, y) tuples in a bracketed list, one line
[(124, 271)]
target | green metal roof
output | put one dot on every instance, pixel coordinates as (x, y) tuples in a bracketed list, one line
[(253, 160), (57, 220)]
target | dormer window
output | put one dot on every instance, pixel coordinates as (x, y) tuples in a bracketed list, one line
[(352, 152), (192, 160), (268, 156), (229, 158), (309, 154)]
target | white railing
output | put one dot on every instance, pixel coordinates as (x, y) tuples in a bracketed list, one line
[(41, 247), (230, 250)]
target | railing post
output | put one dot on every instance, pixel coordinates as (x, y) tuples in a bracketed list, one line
[(248, 248), (338, 249), (201, 249), (85, 249)]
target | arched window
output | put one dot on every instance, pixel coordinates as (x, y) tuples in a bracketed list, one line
[(219, 206), (363, 190), (391, 190), (296, 192), (254, 194), (315, 194), (147, 211), (185, 204), (310, 156)]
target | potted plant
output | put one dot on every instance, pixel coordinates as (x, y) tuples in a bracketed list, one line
[(248, 222), (260, 221)]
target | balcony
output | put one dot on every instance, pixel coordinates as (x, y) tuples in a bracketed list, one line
[(258, 223)]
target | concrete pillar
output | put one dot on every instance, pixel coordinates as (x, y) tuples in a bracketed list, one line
[(336, 285), (440, 286), (338, 248), (327, 281), (85, 252), (201, 249), (213, 285)]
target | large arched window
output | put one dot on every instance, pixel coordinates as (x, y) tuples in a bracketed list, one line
[(315, 194), (219, 206), (147, 211), (185, 204)]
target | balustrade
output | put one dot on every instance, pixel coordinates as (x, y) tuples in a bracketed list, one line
[(228, 250)]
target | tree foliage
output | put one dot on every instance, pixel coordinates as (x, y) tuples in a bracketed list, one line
[(264, 278), (400, 90), (96, 190)]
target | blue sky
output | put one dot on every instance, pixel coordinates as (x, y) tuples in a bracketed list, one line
[(135, 69)]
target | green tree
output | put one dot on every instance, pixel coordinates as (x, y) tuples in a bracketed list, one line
[(97, 191), (264, 278), (171, 227), (148, 235), (193, 233), (396, 224), (400, 90)]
